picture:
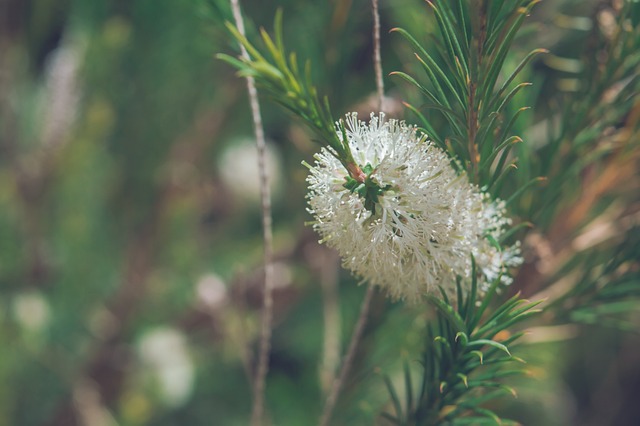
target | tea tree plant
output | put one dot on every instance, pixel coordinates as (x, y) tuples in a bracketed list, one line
[(403, 214), (469, 167)]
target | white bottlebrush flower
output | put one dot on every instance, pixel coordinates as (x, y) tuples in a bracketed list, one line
[(426, 224)]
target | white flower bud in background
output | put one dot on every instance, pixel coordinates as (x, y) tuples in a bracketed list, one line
[(426, 224), (165, 353), (31, 310), (211, 292), (238, 167), (62, 92)]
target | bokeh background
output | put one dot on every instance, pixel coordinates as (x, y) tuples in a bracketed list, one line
[(130, 235)]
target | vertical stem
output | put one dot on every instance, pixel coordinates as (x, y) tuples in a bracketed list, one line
[(257, 412), (376, 55), (348, 359), (329, 264), (472, 128), (475, 68)]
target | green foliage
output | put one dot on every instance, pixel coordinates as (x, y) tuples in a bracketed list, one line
[(465, 83), (467, 354), (605, 286), (588, 119), (115, 227), (588, 128)]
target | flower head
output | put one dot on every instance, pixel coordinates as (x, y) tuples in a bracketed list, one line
[(415, 222)]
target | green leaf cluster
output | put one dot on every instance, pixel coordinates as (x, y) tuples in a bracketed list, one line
[(465, 83), (590, 156), (468, 352)]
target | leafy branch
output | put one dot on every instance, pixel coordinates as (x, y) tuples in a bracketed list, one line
[(467, 350), (463, 73)]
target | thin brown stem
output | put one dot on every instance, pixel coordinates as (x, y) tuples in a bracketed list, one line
[(475, 69), (328, 266), (257, 412), (338, 383), (472, 128), (377, 61)]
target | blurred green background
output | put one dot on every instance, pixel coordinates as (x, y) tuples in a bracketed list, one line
[(130, 235)]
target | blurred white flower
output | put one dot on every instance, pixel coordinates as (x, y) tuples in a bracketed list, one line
[(62, 92), (211, 292), (31, 310), (164, 350), (239, 170), (427, 220)]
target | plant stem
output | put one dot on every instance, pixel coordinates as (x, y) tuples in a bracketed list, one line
[(257, 411), (328, 269), (338, 383), (376, 55), (475, 67)]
